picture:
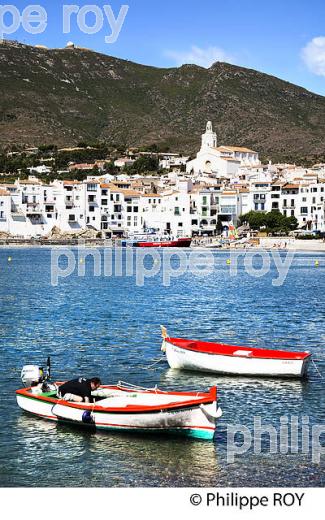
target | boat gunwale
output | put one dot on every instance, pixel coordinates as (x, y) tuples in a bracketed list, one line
[(205, 398), (256, 353)]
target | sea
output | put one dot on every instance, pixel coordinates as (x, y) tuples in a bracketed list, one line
[(102, 321)]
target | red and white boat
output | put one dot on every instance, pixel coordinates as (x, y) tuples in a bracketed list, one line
[(129, 409), (219, 358), (177, 242)]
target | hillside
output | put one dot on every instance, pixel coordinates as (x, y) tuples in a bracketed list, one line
[(63, 96)]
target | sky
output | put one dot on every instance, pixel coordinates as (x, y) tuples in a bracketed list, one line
[(284, 38)]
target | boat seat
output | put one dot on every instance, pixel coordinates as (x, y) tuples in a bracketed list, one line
[(49, 394)]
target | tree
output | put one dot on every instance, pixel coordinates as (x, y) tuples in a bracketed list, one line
[(110, 168), (143, 165), (274, 221)]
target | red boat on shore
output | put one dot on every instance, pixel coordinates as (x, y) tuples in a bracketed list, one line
[(178, 242)]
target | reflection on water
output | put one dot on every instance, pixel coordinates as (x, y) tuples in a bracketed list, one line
[(109, 327), (112, 459)]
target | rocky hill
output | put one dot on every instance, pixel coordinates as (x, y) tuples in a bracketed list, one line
[(63, 96)]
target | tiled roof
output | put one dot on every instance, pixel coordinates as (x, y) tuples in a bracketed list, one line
[(291, 187), (235, 149)]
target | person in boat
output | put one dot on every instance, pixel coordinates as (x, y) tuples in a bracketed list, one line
[(79, 390)]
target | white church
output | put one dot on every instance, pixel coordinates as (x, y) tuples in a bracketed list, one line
[(222, 161)]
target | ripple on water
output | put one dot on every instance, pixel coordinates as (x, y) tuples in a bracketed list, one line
[(110, 327)]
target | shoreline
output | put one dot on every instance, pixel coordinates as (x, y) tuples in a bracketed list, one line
[(303, 246)]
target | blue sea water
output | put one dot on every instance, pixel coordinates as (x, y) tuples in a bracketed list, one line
[(109, 326)]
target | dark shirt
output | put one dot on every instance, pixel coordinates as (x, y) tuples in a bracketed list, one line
[(81, 387)]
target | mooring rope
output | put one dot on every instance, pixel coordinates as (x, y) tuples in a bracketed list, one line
[(156, 362), (315, 366)]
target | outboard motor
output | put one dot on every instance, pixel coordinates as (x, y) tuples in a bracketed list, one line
[(32, 375)]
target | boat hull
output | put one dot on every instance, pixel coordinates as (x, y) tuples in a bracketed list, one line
[(181, 242), (183, 359), (196, 421)]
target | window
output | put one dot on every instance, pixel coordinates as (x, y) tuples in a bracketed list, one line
[(91, 209), (304, 210), (136, 209), (91, 187)]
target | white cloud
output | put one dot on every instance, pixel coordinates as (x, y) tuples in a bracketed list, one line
[(314, 55), (198, 56)]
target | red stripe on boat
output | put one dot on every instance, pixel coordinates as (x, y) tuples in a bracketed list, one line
[(223, 349)]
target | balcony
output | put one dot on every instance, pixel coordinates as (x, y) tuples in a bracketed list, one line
[(33, 209), (69, 203), (228, 210)]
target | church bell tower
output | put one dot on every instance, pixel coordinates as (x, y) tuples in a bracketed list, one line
[(209, 138)]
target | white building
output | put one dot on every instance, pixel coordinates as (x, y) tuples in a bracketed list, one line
[(222, 161), (180, 205)]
